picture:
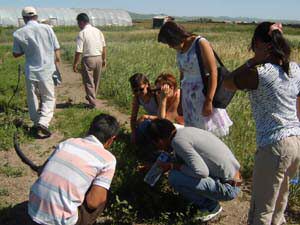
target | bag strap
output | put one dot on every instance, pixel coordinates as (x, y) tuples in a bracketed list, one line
[(198, 53), (218, 58)]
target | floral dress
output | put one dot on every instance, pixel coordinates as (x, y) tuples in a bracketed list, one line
[(193, 98)]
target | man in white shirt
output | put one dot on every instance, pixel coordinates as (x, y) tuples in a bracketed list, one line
[(91, 46), (42, 53)]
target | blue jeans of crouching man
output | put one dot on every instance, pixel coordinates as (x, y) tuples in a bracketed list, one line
[(205, 192)]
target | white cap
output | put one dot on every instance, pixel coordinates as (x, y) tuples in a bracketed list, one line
[(29, 11)]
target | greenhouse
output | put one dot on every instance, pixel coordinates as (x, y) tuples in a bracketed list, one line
[(67, 16)]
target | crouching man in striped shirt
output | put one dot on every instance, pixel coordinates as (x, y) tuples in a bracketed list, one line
[(72, 188)]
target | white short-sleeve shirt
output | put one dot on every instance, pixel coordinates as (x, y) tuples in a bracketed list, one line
[(38, 43), (90, 41)]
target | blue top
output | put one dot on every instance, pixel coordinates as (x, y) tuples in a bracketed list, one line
[(151, 107)]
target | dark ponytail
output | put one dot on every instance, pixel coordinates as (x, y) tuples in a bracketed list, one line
[(280, 46), (281, 49)]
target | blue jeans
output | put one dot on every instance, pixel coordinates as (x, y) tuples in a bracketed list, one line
[(205, 192), (141, 133)]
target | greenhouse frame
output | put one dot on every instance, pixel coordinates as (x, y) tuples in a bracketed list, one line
[(67, 16)]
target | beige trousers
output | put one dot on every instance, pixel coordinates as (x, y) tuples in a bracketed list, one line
[(91, 71), (274, 165)]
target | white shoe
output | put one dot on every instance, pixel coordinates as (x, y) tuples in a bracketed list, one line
[(208, 215)]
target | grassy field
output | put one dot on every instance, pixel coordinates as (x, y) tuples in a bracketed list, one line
[(12, 106), (132, 50)]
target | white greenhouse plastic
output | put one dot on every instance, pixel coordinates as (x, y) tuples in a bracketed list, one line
[(67, 16)]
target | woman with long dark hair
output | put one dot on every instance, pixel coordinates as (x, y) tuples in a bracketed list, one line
[(142, 96), (273, 82), (197, 107)]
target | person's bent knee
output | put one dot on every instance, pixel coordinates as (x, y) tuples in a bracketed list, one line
[(173, 178), (233, 194)]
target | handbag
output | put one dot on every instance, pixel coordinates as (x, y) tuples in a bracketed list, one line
[(222, 96)]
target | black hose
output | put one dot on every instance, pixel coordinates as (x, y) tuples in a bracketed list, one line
[(23, 157), (19, 123)]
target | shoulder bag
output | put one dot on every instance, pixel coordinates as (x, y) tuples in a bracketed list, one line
[(222, 96)]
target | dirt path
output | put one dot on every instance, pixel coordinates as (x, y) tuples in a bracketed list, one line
[(14, 191), (72, 89)]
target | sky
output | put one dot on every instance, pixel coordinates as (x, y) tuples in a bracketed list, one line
[(263, 9)]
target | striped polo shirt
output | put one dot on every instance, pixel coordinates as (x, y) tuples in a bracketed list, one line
[(76, 164)]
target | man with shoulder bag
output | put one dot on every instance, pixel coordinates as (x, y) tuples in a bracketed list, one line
[(39, 44)]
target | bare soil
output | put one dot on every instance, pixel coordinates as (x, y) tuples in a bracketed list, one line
[(71, 90)]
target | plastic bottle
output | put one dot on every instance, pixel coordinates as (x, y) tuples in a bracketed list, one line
[(296, 179), (155, 172)]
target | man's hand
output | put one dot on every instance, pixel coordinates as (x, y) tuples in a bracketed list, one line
[(143, 167), (75, 68), (103, 64), (165, 166), (76, 61), (104, 57)]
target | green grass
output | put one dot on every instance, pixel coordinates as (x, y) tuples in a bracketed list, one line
[(74, 121), (11, 171), (4, 192), (10, 108)]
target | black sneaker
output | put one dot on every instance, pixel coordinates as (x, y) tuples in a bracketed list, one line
[(42, 131), (90, 106)]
